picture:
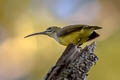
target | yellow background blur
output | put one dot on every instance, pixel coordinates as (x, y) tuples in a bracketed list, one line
[(31, 58)]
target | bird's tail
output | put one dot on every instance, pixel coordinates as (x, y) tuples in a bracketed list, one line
[(95, 27), (93, 36)]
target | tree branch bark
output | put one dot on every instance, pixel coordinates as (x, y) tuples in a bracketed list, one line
[(74, 64)]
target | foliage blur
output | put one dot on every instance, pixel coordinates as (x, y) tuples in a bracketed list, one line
[(31, 58)]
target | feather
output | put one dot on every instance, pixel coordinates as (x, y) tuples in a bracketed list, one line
[(69, 29)]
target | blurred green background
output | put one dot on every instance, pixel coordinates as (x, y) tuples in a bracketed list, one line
[(31, 58)]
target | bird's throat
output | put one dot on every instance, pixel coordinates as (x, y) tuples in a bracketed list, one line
[(55, 37)]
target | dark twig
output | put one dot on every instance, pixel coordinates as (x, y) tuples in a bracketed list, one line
[(74, 63)]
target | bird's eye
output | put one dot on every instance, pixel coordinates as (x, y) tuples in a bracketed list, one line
[(49, 30)]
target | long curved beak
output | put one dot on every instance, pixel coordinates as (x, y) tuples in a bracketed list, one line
[(38, 33)]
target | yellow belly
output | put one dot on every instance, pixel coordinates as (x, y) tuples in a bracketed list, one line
[(74, 37)]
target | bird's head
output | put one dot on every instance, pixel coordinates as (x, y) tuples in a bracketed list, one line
[(51, 31)]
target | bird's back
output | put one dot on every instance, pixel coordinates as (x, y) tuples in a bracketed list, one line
[(74, 33), (73, 28)]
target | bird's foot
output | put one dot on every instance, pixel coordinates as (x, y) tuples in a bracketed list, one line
[(78, 46)]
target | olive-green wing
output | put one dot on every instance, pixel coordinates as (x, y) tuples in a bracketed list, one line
[(69, 29)]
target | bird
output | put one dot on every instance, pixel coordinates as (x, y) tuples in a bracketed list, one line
[(70, 34)]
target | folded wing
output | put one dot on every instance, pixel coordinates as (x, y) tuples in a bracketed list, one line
[(69, 29)]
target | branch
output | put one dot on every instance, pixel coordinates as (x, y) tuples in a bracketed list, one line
[(74, 64)]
